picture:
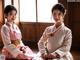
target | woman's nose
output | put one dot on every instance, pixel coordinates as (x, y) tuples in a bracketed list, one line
[(13, 17), (56, 17)]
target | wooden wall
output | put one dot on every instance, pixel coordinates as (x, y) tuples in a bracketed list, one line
[(33, 31), (64, 2), (74, 22)]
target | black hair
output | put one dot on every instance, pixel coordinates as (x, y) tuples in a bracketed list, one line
[(59, 7), (9, 8)]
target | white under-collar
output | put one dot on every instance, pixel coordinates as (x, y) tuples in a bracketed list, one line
[(10, 23), (62, 24)]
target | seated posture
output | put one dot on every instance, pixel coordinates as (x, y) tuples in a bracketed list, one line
[(11, 36), (56, 40)]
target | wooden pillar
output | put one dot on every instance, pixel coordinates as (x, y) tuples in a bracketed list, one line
[(1, 19)]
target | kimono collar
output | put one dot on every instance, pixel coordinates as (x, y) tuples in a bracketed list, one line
[(9, 23), (62, 24)]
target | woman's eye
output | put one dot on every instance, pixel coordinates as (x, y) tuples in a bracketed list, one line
[(10, 14), (59, 14), (15, 13), (54, 14)]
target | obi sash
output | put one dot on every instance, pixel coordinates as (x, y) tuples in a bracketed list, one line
[(15, 42)]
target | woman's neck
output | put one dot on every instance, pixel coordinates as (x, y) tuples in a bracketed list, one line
[(9, 23), (58, 24)]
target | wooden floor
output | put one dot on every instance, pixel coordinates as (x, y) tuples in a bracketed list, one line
[(75, 53)]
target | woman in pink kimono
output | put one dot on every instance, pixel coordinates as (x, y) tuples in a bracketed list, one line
[(11, 36), (56, 40)]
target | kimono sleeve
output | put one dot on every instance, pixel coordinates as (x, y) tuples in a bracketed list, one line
[(5, 35), (7, 42), (41, 43)]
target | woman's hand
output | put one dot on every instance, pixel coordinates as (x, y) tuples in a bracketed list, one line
[(22, 56), (48, 56), (57, 55), (57, 24), (44, 55), (51, 56)]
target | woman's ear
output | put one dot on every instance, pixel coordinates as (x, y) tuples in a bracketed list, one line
[(65, 12)]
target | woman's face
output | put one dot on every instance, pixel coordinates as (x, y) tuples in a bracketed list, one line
[(11, 16), (58, 16)]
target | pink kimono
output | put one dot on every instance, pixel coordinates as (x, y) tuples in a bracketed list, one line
[(13, 45)]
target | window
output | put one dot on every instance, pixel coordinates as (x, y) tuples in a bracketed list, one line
[(7, 2), (16, 4), (27, 11), (36, 10), (44, 10), (33, 10)]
